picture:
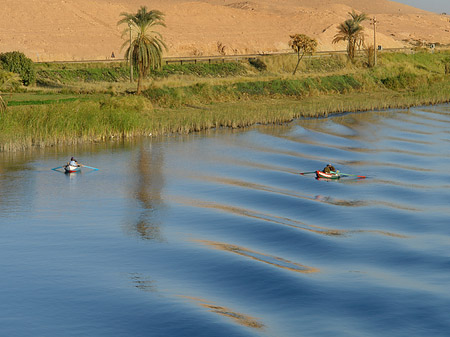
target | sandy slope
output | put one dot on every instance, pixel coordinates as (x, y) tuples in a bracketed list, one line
[(86, 29)]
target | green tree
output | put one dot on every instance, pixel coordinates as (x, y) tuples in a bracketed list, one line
[(351, 31), (18, 63), (302, 44), (147, 45)]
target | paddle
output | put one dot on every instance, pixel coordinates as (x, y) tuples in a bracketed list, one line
[(56, 168), (302, 173), (92, 168), (352, 175)]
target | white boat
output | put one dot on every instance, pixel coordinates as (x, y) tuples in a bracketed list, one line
[(71, 169)]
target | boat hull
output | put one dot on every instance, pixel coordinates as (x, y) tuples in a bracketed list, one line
[(71, 169), (320, 174)]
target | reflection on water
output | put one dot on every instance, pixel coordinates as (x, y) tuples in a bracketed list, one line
[(283, 220), (239, 318), (142, 282), (149, 181), (261, 257), (217, 233)]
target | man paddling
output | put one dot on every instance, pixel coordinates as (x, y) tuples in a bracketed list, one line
[(73, 162), (329, 169)]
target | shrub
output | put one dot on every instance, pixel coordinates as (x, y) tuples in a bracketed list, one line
[(257, 63), (18, 63)]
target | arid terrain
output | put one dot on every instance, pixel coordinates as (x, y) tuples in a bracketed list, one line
[(47, 30)]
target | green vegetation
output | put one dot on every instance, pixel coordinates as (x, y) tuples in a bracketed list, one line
[(204, 93), (58, 75), (17, 62), (80, 107)]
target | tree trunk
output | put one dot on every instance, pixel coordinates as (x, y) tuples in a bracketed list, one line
[(139, 83), (299, 58), (2, 104)]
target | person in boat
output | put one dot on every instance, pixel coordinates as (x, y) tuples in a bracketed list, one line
[(73, 162), (329, 169)]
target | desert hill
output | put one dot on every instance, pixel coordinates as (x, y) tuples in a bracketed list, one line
[(47, 30)]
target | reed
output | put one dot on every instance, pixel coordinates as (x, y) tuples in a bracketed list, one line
[(73, 122), (121, 117)]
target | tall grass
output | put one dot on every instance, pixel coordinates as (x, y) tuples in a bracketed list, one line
[(73, 122), (122, 117)]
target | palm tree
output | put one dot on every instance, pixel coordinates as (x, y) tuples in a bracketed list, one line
[(145, 50), (352, 31)]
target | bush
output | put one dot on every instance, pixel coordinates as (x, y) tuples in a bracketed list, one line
[(257, 63), (18, 63)]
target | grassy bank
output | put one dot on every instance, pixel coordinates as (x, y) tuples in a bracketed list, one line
[(231, 95)]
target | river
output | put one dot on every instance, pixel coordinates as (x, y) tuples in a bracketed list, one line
[(217, 233)]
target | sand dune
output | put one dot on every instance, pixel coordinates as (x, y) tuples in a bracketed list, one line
[(48, 30)]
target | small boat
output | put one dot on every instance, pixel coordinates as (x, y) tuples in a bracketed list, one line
[(333, 175), (71, 169)]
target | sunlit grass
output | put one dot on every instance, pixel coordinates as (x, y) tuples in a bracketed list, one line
[(89, 111)]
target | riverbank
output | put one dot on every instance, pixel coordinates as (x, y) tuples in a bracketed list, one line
[(213, 96)]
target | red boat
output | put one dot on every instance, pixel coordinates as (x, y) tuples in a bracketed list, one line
[(333, 175)]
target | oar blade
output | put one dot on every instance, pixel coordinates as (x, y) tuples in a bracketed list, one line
[(352, 175), (90, 167), (303, 173)]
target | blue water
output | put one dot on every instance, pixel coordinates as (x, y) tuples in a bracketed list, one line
[(217, 233)]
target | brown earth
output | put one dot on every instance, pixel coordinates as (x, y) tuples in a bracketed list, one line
[(47, 30)]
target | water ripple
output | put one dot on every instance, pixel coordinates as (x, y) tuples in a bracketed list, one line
[(274, 261), (241, 319), (290, 193), (278, 220)]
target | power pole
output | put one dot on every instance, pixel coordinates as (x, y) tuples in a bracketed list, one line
[(131, 58), (375, 41)]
